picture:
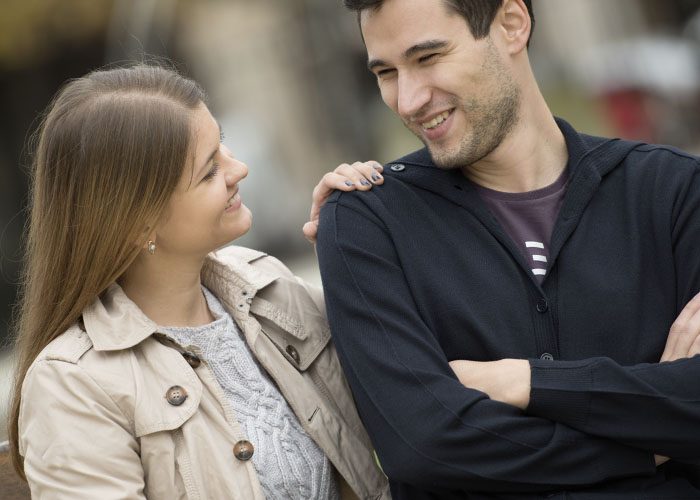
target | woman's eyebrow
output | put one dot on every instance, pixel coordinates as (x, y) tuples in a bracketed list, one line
[(211, 156)]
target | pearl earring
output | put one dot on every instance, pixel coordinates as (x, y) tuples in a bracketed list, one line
[(151, 247)]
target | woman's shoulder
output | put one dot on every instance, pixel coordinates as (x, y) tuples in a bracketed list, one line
[(264, 268), (236, 256), (69, 347), (72, 357)]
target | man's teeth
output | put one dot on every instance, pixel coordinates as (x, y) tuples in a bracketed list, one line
[(436, 121)]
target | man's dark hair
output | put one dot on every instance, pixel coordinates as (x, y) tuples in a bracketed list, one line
[(479, 14)]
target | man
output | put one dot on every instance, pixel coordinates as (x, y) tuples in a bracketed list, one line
[(501, 303)]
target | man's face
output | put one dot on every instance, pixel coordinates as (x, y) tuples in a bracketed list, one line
[(454, 92)]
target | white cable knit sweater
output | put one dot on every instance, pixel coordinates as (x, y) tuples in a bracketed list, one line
[(289, 463)]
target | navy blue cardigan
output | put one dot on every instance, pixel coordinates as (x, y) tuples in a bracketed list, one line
[(417, 272)]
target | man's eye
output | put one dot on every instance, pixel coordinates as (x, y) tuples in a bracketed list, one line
[(383, 73), (427, 57)]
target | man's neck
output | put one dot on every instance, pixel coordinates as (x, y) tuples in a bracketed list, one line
[(532, 156)]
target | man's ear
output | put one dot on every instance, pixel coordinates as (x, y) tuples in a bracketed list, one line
[(513, 21)]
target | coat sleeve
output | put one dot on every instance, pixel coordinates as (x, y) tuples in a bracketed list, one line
[(654, 407), (76, 442), (428, 429)]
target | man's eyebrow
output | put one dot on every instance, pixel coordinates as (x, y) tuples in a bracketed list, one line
[(423, 46), (410, 52), (373, 63)]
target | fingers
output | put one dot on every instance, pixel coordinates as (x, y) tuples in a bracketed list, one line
[(310, 230), (694, 348), (361, 175), (684, 332), (329, 182)]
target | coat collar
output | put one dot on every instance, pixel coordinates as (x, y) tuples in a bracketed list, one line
[(114, 322)]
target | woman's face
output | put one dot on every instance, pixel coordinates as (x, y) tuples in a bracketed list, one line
[(205, 212)]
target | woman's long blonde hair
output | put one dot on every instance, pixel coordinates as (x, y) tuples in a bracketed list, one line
[(108, 156)]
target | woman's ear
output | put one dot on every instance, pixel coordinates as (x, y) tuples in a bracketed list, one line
[(150, 243), (514, 22)]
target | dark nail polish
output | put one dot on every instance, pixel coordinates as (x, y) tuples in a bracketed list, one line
[(364, 182), (349, 183), (375, 177)]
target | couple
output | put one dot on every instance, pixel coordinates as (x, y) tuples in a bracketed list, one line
[(513, 306)]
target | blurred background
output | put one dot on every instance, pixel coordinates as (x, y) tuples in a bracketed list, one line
[(287, 81)]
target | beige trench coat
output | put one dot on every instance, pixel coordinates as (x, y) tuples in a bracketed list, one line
[(96, 421)]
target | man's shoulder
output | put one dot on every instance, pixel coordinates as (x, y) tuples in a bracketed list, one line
[(420, 157), (655, 159), (670, 153), (610, 153), (395, 170)]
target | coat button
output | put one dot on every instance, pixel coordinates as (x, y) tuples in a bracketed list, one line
[(191, 359), (176, 395), (546, 356), (398, 167), (542, 306), (293, 353), (243, 450)]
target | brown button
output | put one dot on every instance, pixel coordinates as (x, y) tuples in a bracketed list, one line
[(191, 359), (243, 450), (176, 395), (291, 350)]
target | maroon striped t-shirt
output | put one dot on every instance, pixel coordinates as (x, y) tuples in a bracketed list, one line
[(529, 218)]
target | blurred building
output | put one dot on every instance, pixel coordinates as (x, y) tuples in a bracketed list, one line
[(629, 68)]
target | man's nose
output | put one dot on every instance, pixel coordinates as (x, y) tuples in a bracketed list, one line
[(413, 95)]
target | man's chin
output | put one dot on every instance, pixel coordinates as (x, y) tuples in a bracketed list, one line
[(444, 159)]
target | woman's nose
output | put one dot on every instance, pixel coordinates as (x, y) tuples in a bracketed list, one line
[(235, 170)]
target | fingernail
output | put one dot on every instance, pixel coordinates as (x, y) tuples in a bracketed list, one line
[(349, 183), (376, 177), (364, 182)]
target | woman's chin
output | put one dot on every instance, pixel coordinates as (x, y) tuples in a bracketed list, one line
[(242, 226)]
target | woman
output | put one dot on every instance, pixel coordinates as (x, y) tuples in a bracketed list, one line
[(150, 367)]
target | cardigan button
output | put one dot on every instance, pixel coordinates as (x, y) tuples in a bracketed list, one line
[(293, 353), (546, 356), (176, 395), (542, 306), (191, 359), (398, 167), (243, 450)]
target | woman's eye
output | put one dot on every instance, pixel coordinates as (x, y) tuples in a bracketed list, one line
[(212, 173)]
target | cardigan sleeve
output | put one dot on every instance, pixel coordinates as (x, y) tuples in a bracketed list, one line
[(428, 429), (653, 406)]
